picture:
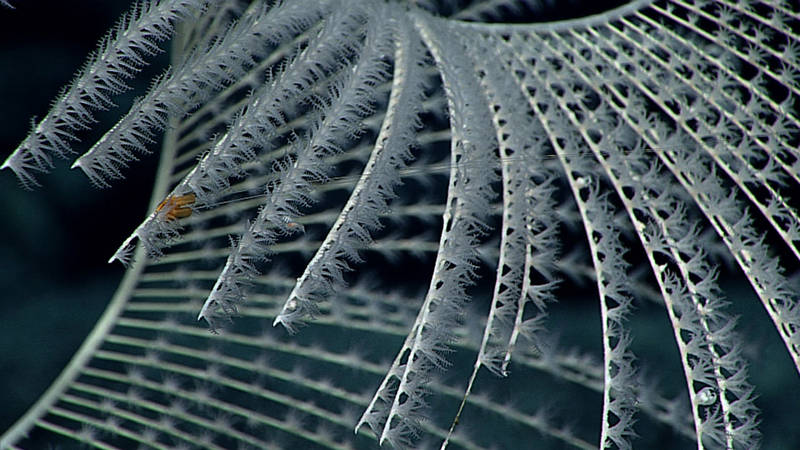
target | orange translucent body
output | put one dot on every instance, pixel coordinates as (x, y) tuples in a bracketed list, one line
[(176, 206)]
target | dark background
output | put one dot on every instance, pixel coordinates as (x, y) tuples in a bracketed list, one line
[(54, 240)]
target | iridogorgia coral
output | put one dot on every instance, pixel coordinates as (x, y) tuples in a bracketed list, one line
[(376, 207)]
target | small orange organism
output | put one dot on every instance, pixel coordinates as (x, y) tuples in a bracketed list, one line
[(295, 226), (177, 206)]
